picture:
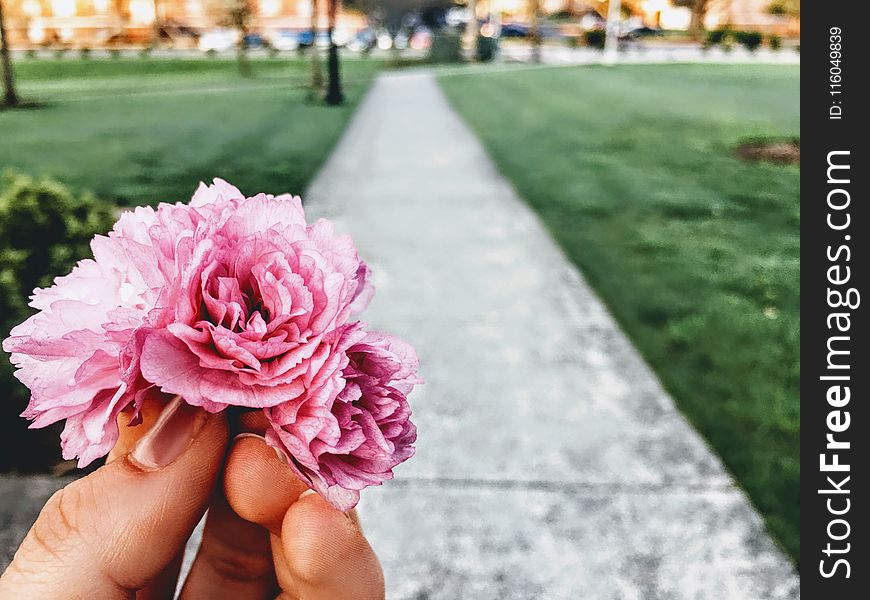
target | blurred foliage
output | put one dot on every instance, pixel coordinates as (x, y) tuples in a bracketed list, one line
[(695, 251), (44, 231), (717, 36), (775, 42), (790, 8), (750, 40), (446, 48), (486, 48), (595, 38)]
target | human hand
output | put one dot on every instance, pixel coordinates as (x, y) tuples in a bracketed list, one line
[(120, 531)]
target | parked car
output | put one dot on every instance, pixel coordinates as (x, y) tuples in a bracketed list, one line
[(363, 41), (255, 40), (304, 38), (218, 40), (421, 39), (641, 32), (284, 40), (514, 30)]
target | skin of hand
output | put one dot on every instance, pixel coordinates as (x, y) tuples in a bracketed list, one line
[(120, 531)]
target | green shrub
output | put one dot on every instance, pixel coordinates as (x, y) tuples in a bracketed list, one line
[(717, 36), (44, 230), (750, 40), (572, 41), (775, 42), (594, 38), (486, 48), (446, 48)]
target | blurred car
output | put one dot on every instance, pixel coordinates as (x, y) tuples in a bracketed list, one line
[(304, 38), (285, 40), (363, 41), (640, 32), (514, 30), (255, 40), (322, 39), (218, 40), (421, 39)]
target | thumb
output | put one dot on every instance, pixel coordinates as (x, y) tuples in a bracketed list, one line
[(110, 533)]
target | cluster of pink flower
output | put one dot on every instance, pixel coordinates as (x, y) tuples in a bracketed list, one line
[(225, 301)]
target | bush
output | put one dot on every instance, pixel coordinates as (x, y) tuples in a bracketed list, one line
[(594, 38), (572, 41), (717, 36), (85, 53), (44, 230), (486, 48), (446, 48), (750, 40), (775, 42)]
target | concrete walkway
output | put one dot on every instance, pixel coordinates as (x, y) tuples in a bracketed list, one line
[(550, 463)]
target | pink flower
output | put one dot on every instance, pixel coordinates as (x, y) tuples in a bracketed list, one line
[(227, 301), (352, 426)]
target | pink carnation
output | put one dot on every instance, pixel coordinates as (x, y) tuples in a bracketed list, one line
[(352, 425), (227, 301)]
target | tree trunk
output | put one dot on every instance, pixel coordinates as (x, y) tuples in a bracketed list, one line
[(696, 24), (471, 31), (155, 34), (316, 67), (535, 29), (10, 97), (242, 56), (334, 96)]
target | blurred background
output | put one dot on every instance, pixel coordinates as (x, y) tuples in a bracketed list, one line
[(653, 144)]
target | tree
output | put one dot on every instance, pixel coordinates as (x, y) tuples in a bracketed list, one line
[(316, 69), (790, 8), (334, 95), (236, 14), (535, 29), (10, 96), (471, 30), (239, 16), (699, 14)]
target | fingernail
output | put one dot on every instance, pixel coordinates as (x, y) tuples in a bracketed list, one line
[(307, 492), (169, 437)]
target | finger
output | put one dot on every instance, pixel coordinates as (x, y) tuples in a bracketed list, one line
[(164, 584), (117, 529), (234, 558), (323, 555), (258, 484)]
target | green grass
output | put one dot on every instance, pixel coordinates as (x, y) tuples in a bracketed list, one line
[(137, 131), (695, 251)]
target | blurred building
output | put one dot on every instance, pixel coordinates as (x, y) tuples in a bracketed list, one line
[(178, 23)]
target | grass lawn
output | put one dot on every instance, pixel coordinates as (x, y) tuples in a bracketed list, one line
[(138, 131), (695, 251)]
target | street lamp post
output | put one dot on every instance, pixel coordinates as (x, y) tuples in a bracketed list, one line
[(611, 42), (334, 95)]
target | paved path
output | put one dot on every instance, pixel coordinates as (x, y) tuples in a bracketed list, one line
[(550, 462)]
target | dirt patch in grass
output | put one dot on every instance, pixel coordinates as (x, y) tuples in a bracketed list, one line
[(778, 151)]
